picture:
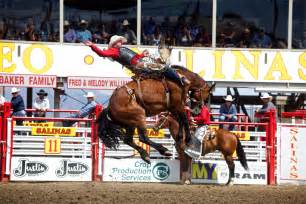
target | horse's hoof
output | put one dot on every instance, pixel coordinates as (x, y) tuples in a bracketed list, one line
[(147, 160), (187, 182), (230, 183), (167, 153)]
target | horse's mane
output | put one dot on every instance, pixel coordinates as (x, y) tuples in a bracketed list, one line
[(184, 69)]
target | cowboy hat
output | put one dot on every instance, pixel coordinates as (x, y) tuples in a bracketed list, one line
[(125, 22), (66, 23), (89, 95), (115, 38), (229, 98), (83, 22), (265, 95), (42, 92), (15, 90)]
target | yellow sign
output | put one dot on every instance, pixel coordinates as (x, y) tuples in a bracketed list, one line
[(52, 131), (151, 133), (242, 135), (35, 124), (53, 145)]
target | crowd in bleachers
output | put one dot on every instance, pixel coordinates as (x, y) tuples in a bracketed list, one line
[(179, 33)]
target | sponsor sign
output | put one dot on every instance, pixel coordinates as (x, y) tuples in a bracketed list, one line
[(50, 169), (53, 145), (151, 133), (209, 171), (292, 154), (213, 65), (96, 83), (243, 135), (53, 131), (35, 124), (136, 170), (19, 80)]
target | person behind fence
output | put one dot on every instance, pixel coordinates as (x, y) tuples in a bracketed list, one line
[(2, 100), (267, 104), (17, 105), (86, 110), (131, 59), (228, 112), (41, 104), (199, 117)]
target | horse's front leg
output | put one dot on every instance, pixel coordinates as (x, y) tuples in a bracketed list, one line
[(144, 139)]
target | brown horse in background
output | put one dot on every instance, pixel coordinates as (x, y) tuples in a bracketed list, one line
[(224, 141), (129, 106)]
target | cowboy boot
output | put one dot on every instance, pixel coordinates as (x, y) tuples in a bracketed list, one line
[(173, 75)]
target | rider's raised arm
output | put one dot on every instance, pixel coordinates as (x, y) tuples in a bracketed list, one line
[(110, 52)]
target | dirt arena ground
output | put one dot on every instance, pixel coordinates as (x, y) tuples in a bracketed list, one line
[(97, 192)]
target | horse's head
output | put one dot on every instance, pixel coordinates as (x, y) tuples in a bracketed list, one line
[(201, 94), (164, 52)]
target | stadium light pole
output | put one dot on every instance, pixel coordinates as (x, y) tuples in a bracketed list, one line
[(138, 22), (214, 23), (61, 22), (290, 13)]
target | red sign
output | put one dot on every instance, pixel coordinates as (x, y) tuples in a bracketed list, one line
[(20, 80)]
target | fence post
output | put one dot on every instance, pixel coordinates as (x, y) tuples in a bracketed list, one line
[(3, 139), (270, 145), (95, 145)]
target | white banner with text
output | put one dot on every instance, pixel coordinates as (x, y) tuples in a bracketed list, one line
[(213, 65), (50, 169), (291, 154), (217, 172), (136, 170)]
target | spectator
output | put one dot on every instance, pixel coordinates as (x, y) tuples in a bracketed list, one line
[(69, 33), (83, 34), (184, 37), (41, 104), (157, 36), (86, 110), (266, 107), (304, 40), (267, 104), (202, 39), (128, 33), (245, 39), (228, 112), (199, 118), (262, 40), (2, 100), (30, 34), (17, 105)]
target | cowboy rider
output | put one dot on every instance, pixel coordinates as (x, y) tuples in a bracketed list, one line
[(131, 59)]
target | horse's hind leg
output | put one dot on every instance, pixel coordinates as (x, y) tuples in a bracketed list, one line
[(128, 139), (231, 166), (144, 138)]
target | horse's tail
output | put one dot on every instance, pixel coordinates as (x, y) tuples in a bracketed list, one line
[(108, 131), (241, 154)]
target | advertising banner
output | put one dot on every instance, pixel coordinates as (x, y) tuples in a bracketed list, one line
[(292, 151), (54, 131), (213, 65), (217, 172), (96, 82), (19, 80), (50, 169), (136, 170)]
